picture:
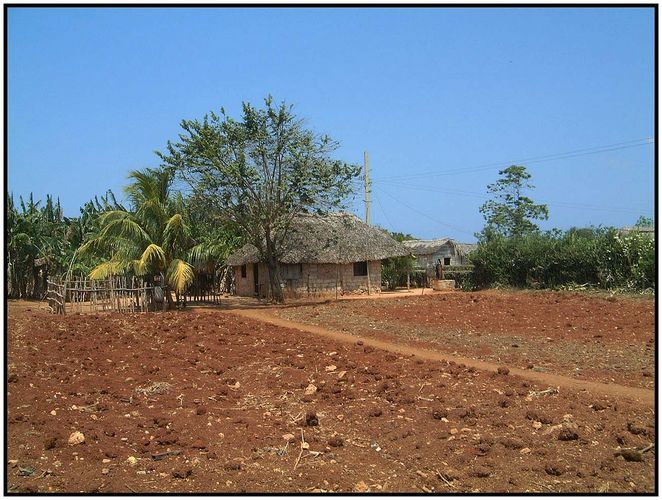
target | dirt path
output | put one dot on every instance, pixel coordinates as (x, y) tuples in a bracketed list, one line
[(644, 396)]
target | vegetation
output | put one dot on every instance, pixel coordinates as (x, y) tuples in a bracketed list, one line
[(150, 239), (257, 173), (396, 269), (595, 257), (511, 213), (42, 242)]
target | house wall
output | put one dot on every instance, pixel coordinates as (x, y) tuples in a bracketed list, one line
[(313, 279)]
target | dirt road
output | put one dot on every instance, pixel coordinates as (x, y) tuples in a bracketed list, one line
[(642, 395)]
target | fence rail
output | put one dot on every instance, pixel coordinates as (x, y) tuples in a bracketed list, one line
[(120, 294)]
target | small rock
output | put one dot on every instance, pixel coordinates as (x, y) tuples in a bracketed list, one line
[(53, 412), (182, 472), (637, 429), (536, 425), (553, 470), (310, 390), (230, 466), (132, 460), (375, 412), (288, 437), (439, 413), (361, 487), (76, 438), (342, 374), (631, 455), (480, 472), (525, 451), (511, 443), (503, 370), (330, 368), (200, 410), (311, 419), (336, 442), (105, 470), (567, 434)]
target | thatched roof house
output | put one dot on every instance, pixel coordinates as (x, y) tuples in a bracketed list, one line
[(321, 252), (446, 250)]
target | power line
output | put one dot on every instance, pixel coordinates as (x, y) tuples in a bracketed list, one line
[(388, 221), (534, 159), (565, 204), (426, 215)]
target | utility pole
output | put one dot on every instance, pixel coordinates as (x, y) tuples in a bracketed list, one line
[(366, 171)]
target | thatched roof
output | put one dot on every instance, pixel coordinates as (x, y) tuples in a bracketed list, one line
[(430, 247), (336, 238)]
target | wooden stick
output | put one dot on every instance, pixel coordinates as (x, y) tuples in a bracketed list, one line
[(441, 476), (300, 451)]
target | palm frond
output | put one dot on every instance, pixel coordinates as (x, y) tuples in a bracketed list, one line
[(111, 215), (179, 275), (153, 253), (176, 232), (203, 253), (106, 269), (152, 214), (125, 228)]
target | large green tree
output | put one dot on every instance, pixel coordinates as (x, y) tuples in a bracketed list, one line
[(258, 172), (511, 213)]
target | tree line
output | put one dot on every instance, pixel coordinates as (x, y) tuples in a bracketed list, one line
[(246, 178)]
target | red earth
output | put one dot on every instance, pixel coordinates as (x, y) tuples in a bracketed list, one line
[(210, 401), (603, 338)]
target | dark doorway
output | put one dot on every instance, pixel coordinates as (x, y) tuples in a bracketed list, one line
[(256, 282)]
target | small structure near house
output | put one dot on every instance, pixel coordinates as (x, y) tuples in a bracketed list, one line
[(322, 254), (446, 251), (433, 256)]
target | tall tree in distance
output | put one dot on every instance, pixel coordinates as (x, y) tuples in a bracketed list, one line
[(511, 213), (259, 172)]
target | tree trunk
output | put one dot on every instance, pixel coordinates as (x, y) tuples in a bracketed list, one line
[(274, 272), (35, 282)]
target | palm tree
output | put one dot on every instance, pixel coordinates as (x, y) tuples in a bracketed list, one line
[(151, 239)]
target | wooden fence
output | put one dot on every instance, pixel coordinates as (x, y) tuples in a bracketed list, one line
[(120, 294)]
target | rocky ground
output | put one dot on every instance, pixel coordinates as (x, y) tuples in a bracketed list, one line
[(593, 337), (205, 401)]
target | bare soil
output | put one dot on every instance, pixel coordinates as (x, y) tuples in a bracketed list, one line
[(204, 400), (603, 338)]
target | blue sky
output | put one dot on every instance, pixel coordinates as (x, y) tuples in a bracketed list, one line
[(430, 93)]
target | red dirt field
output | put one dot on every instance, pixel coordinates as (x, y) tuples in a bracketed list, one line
[(589, 337), (203, 401)]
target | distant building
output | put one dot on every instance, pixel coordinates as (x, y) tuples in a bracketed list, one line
[(445, 251), (321, 253)]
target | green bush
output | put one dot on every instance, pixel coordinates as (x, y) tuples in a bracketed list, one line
[(595, 257), (395, 271)]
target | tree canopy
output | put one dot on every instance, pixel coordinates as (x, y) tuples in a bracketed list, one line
[(511, 213), (258, 172)]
